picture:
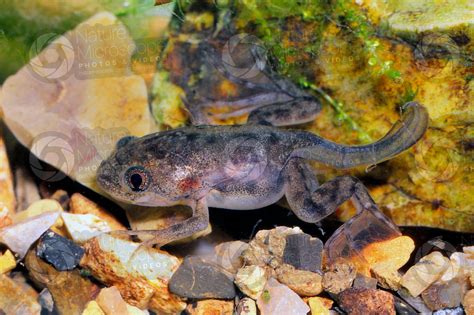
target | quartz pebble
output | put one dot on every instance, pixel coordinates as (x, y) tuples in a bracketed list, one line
[(111, 302), (387, 279), (277, 298), (303, 252), (60, 252), (198, 279), (426, 271), (251, 280), (449, 294), (303, 282), (339, 277), (20, 236), (211, 307), (246, 306), (228, 255), (83, 227), (367, 301)]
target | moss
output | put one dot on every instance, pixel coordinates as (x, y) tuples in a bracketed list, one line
[(167, 107)]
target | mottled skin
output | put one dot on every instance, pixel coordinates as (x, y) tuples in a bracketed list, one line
[(246, 167)]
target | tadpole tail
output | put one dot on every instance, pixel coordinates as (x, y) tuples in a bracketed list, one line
[(404, 134)]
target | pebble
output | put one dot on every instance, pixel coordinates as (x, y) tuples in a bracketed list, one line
[(367, 301), (71, 292), (303, 252), (60, 252), (459, 264), (450, 311), (426, 271), (277, 298), (20, 236), (198, 279), (228, 255), (363, 282), (339, 278), (46, 300), (83, 227), (7, 262), (445, 294), (246, 306), (387, 279), (303, 282), (468, 302), (267, 247), (320, 305), (141, 276), (251, 280), (92, 308), (111, 302), (211, 307), (80, 204), (14, 299)]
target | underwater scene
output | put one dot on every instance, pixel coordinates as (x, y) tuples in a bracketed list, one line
[(221, 157)]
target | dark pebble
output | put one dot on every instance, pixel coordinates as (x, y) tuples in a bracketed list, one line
[(59, 251), (198, 279), (303, 252)]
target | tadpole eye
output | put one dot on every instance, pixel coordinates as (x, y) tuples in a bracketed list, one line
[(137, 178)]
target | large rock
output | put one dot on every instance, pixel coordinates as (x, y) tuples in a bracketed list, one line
[(15, 300), (70, 104)]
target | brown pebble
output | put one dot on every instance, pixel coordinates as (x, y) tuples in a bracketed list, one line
[(367, 301)]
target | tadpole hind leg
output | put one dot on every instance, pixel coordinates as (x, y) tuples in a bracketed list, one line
[(198, 222), (312, 204)]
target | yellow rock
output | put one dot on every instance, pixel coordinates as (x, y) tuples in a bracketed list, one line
[(93, 308), (251, 280), (319, 305), (7, 262), (386, 256), (15, 299), (7, 195)]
